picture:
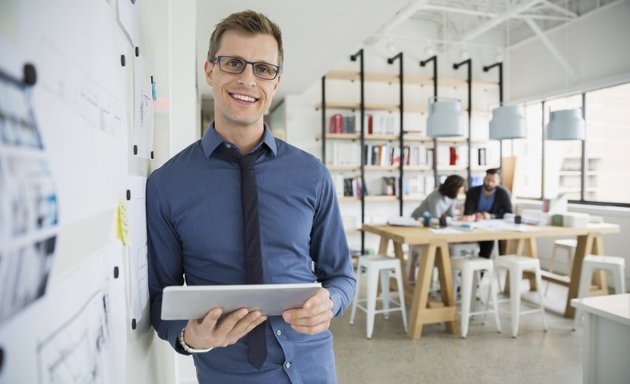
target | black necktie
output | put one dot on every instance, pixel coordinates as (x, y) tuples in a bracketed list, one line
[(257, 346)]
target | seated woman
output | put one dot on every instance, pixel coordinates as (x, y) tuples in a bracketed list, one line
[(439, 203)]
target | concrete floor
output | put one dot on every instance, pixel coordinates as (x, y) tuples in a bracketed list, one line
[(485, 356)]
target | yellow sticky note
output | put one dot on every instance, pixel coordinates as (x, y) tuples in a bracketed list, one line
[(123, 226)]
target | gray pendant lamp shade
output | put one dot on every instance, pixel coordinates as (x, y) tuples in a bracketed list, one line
[(444, 118), (567, 124), (508, 122)]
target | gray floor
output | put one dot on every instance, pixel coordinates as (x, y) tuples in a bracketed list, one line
[(485, 356)]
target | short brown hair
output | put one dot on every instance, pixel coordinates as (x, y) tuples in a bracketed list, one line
[(494, 171), (248, 22), (450, 187)]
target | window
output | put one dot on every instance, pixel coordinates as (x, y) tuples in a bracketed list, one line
[(528, 151), (607, 150), (563, 159), (608, 145)]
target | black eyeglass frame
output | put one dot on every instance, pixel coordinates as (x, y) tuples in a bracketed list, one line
[(217, 60)]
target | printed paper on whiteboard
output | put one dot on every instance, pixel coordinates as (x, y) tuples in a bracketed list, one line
[(136, 218), (142, 138)]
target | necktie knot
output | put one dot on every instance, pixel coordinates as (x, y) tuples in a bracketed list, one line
[(247, 160)]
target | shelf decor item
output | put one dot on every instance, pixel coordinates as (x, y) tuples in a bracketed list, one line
[(508, 122), (567, 124), (444, 118)]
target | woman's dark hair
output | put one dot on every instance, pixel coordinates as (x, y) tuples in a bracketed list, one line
[(450, 187)]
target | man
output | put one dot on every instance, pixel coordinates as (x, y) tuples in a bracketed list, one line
[(487, 201), (197, 225)]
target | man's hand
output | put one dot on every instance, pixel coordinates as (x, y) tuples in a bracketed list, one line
[(210, 332), (314, 316), (482, 216)]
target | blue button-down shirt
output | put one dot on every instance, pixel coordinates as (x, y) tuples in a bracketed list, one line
[(195, 232)]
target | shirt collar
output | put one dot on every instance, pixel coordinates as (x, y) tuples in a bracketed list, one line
[(211, 140)]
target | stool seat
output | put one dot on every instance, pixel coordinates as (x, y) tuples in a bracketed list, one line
[(567, 243), (375, 266), (524, 262), (468, 267), (516, 264), (592, 263), (599, 261)]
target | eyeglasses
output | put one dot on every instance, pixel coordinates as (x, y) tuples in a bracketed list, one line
[(262, 70)]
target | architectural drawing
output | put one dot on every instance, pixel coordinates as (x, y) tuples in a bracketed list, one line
[(76, 333), (28, 199)]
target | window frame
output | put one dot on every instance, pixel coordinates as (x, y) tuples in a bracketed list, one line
[(584, 143)]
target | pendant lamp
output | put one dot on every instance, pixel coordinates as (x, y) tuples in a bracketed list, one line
[(444, 118), (507, 122), (566, 124)]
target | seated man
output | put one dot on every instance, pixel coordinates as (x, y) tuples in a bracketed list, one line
[(487, 201)]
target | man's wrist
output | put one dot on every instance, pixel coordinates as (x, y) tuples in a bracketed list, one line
[(185, 347)]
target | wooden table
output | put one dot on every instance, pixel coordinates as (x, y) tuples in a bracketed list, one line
[(435, 253)]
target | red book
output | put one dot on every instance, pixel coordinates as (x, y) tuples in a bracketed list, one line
[(336, 123), (453, 156)]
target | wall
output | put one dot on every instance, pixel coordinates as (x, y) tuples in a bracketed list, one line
[(84, 109), (595, 46)]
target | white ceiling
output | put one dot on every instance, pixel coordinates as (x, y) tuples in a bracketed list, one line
[(470, 21), (318, 34)]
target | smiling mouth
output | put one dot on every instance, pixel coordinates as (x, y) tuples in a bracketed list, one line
[(246, 98)]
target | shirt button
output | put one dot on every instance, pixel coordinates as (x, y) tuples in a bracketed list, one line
[(287, 365), (228, 145), (278, 332)]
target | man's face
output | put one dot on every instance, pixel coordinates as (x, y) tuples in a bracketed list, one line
[(242, 99), (490, 182)]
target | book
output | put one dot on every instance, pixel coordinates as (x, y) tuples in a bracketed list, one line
[(481, 154)]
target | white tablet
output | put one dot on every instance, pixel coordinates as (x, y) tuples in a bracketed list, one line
[(194, 302)]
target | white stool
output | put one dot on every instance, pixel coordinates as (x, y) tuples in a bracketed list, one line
[(592, 263), (567, 245), (373, 265), (516, 265), (468, 267)]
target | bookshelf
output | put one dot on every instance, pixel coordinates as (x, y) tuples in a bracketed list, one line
[(372, 134), (570, 177)]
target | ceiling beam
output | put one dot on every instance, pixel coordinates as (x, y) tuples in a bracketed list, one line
[(543, 17), (401, 16), (510, 13), (559, 9), (549, 45), (431, 7)]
